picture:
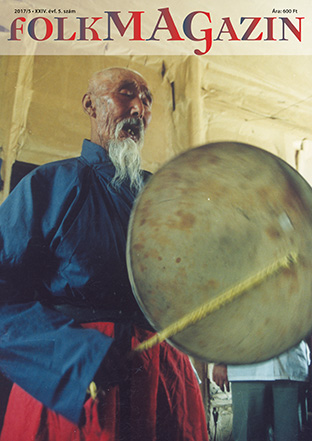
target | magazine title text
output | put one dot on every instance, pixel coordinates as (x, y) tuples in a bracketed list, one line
[(198, 26)]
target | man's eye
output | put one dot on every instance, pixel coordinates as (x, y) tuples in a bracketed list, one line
[(147, 103), (126, 92)]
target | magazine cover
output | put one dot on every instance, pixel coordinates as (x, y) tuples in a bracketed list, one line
[(206, 254)]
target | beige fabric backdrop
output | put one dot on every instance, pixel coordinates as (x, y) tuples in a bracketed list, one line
[(262, 100)]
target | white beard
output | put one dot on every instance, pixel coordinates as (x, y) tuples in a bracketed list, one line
[(125, 155)]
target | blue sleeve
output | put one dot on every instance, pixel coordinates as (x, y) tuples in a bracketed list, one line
[(44, 352)]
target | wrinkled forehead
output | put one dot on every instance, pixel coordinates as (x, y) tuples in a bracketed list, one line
[(112, 79)]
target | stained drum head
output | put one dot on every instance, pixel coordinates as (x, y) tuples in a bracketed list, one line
[(205, 222)]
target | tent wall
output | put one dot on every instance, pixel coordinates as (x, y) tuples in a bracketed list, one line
[(264, 101)]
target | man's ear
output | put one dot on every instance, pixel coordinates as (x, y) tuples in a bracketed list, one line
[(88, 105)]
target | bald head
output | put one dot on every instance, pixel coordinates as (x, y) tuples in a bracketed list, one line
[(107, 77)]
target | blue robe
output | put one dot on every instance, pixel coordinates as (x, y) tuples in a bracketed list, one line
[(63, 234)]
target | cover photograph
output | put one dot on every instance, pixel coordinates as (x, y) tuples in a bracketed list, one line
[(155, 220)]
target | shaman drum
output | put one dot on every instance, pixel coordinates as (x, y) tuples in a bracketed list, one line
[(206, 222)]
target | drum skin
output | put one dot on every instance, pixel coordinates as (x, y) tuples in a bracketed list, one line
[(206, 221)]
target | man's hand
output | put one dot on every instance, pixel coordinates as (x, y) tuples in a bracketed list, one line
[(219, 376)]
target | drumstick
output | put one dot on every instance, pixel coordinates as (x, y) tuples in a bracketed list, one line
[(220, 301)]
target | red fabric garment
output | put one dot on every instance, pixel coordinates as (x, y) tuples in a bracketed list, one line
[(164, 404)]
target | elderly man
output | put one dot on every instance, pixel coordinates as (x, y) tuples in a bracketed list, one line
[(67, 313)]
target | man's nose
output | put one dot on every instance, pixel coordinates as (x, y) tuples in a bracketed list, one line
[(137, 108)]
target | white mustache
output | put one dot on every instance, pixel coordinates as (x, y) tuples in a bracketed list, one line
[(130, 125)]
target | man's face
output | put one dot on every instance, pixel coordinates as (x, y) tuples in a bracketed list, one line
[(122, 96)]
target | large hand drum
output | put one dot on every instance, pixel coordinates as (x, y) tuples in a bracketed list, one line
[(207, 222)]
